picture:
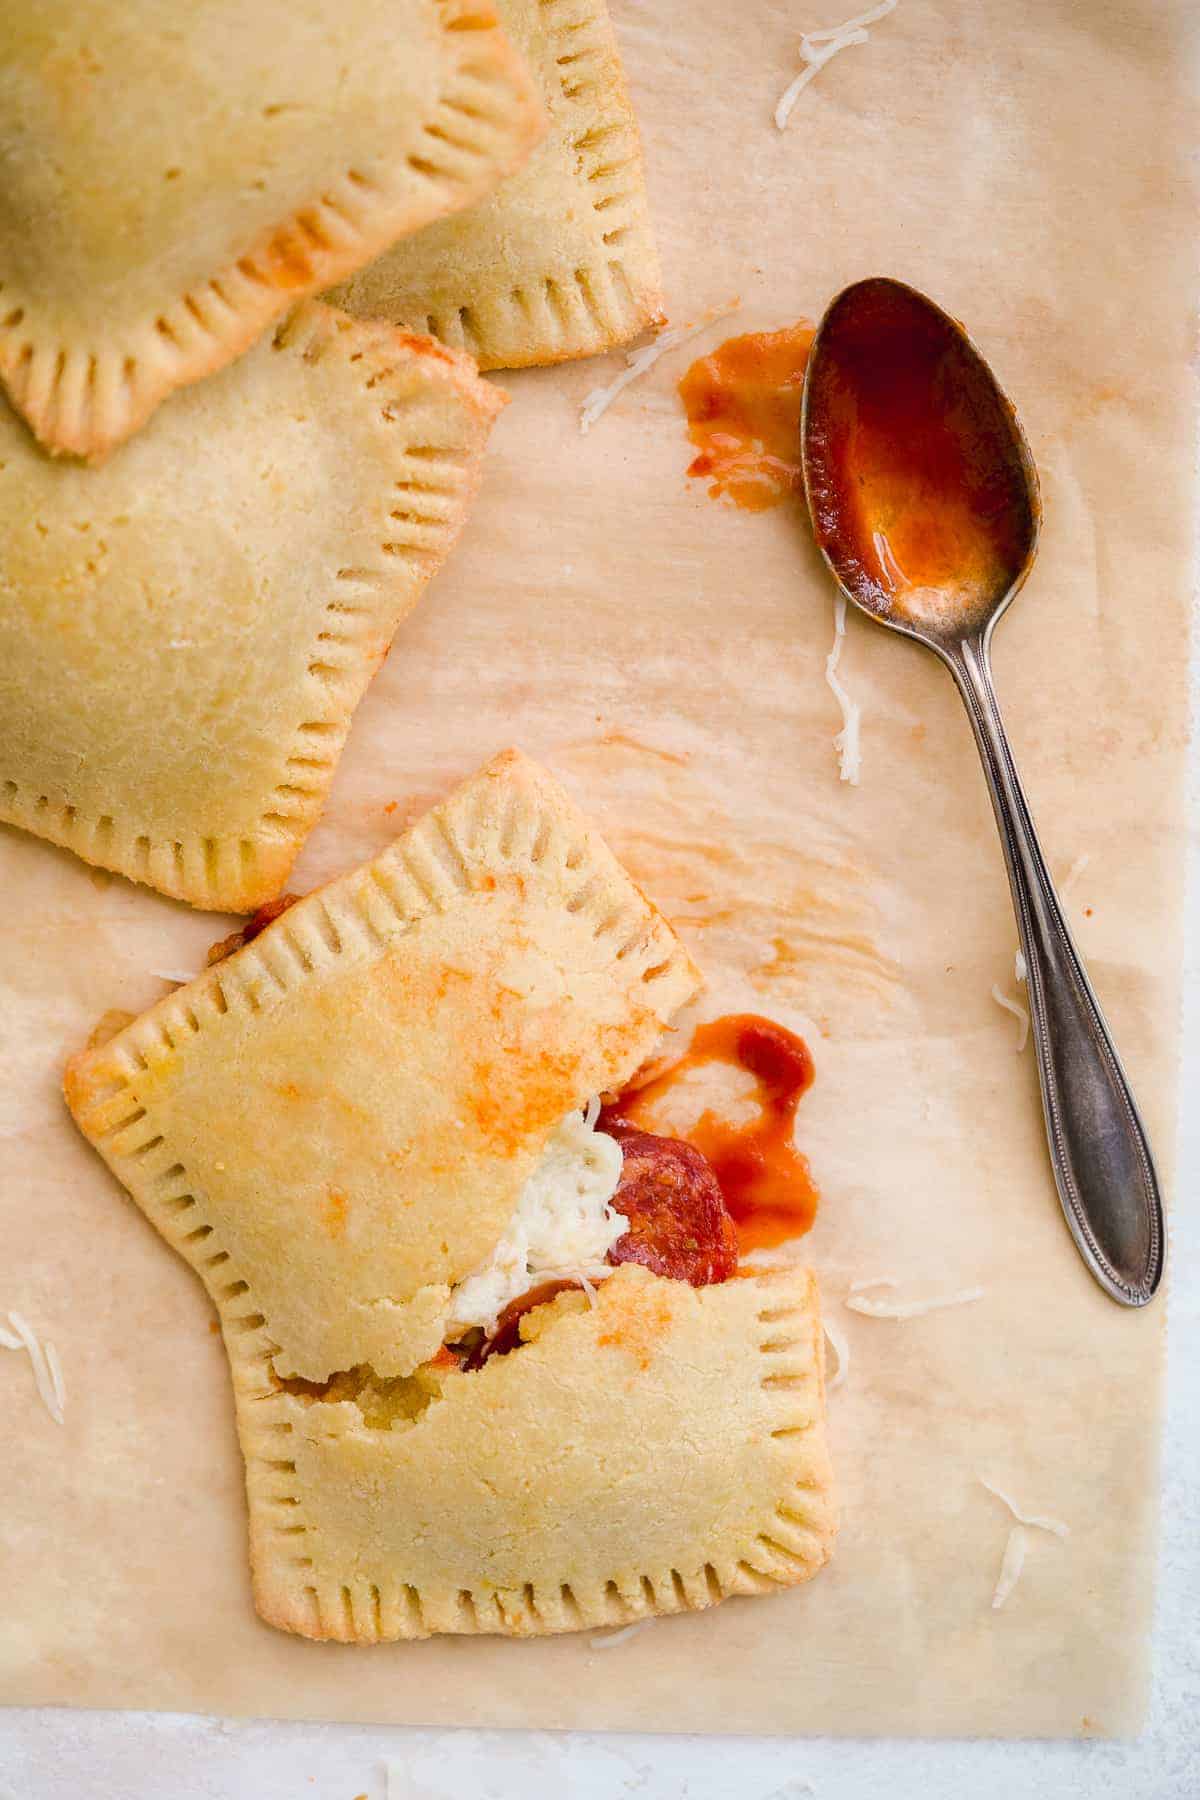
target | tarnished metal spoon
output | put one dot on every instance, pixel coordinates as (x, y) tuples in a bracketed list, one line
[(925, 504)]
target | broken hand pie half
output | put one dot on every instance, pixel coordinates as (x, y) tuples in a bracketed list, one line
[(559, 260), (176, 175), (372, 1132), (186, 631)]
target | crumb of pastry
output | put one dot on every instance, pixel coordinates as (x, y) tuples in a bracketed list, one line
[(534, 1323), (384, 1401)]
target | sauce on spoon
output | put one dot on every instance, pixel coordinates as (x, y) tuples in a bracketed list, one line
[(918, 495)]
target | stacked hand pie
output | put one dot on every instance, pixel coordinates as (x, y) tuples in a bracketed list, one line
[(189, 617)]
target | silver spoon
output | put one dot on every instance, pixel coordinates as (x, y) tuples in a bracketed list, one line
[(924, 500)]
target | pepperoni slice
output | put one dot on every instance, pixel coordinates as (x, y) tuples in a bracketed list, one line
[(507, 1334), (679, 1225)]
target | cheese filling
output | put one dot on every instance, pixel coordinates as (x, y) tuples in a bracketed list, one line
[(563, 1225)]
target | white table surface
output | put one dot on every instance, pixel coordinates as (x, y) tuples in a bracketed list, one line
[(57, 1754)]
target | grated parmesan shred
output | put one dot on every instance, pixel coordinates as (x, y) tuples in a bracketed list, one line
[(841, 1350), (1039, 1521), (819, 47), (1073, 873), (173, 975), (847, 743), (1019, 1012), (637, 362), (1020, 967), (610, 1639), (909, 1309), (56, 1375), (50, 1390), (1011, 1564), (586, 1282)]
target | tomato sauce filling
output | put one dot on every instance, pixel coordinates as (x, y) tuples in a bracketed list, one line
[(695, 1201), (256, 923), (765, 1181)]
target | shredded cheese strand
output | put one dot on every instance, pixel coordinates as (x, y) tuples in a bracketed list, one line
[(41, 1373), (610, 1639), (847, 743), (56, 1375), (819, 47), (173, 975), (586, 1282), (1073, 873), (859, 1287), (9, 1340), (1011, 1564), (1020, 1013), (841, 1350), (910, 1309), (1020, 967), (1039, 1521), (637, 362), (830, 32), (814, 62)]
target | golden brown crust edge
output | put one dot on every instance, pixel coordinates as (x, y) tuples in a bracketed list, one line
[(657, 1378), (605, 294), (419, 1026), (241, 873), (84, 399), (777, 1516)]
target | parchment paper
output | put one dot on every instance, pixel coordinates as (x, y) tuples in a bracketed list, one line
[(1024, 161)]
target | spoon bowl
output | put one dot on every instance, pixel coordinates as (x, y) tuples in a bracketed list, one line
[(925, 504), (922, 488)]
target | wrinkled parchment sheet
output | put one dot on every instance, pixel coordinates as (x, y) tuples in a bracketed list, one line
[(1023, 161)]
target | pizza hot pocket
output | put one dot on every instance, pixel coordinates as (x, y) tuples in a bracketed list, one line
[(491, 1367)]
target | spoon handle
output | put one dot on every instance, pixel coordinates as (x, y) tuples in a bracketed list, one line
[(1098, 1146)]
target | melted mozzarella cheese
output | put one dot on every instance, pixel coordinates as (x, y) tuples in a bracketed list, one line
[(564, 1224), (847, 741)]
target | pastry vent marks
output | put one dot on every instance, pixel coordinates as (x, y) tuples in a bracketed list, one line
[(787, 1542), (85, 398)]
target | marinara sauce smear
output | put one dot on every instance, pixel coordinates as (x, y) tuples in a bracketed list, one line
[(743, 410), (765, 1180)]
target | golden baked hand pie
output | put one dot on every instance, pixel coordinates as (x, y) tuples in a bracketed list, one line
[(367, 1130), (177, 175), (559, 261), (186, 631)]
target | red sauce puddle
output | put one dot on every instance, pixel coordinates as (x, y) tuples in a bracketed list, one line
[(743, 408), (767, 1184)]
